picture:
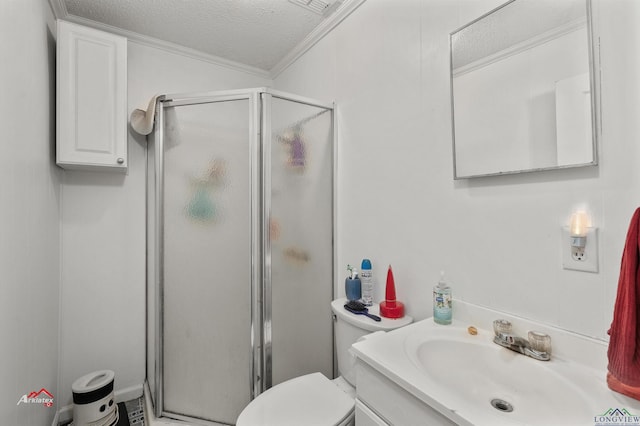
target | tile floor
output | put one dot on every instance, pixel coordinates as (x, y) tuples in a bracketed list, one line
[(135, 409)]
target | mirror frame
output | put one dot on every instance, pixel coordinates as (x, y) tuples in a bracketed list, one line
[(593, 48)]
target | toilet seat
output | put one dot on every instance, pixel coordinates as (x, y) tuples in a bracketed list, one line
[(306, 400)]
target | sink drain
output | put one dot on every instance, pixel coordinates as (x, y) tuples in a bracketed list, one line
[(501, 405)]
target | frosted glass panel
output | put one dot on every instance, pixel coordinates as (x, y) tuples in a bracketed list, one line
[(225, 208), (207, 260), (301, 232)]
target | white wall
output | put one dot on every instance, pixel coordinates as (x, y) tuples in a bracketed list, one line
[(103, 233), (387, 67), (498, 239), (29, 192)]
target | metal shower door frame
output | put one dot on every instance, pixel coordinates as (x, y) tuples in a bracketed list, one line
[(259, 162), (267, 95)]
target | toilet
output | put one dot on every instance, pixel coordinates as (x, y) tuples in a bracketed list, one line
[(313, 399)]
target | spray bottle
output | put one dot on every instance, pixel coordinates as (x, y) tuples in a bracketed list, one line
[(367, 282)]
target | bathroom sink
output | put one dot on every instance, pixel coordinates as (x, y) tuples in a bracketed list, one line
[(491, 380), (446, 376)]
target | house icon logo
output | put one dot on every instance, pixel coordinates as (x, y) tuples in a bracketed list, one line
[(616, 417), (43, 396)]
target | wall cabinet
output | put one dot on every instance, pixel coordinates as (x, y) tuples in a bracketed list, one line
[(91, 99)]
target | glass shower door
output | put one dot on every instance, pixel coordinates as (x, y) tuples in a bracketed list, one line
[(208, 248), (240, 249), (299, 206)]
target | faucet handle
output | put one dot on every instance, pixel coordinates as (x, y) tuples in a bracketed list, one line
[(501, 326), (540, 342)]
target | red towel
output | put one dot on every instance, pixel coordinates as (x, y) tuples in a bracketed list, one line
[(624, 345)]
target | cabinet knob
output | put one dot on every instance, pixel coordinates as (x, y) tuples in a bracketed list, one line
[(120, 160)]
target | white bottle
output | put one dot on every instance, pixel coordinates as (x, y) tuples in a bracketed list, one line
[(366, 277), (442, 309)]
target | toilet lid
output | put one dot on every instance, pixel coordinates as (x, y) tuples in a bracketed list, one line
[(306, 400)]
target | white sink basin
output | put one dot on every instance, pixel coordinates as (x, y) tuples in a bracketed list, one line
[(475, 369), (457, 375)]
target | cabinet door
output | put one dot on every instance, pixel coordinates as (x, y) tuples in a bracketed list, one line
[(366, 417), (91, 98)]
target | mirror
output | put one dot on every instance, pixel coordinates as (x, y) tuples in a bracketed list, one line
[(523, 89)]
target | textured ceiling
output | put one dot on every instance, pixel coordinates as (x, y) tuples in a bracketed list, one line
[(258, 33)]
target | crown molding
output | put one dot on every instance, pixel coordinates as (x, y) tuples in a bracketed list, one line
[(59, 9), (346, 8), (168, 46)]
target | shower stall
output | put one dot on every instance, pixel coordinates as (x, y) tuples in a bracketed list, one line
[(240, 257)]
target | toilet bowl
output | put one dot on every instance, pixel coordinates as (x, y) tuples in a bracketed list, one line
[(313, 399)]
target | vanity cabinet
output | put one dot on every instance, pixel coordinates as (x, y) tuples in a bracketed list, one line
[(91, 102), (379, 401), (366, 417)]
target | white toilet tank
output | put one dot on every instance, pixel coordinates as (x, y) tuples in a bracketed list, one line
[(350, 327)]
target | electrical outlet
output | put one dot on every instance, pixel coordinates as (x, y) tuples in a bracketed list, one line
[(578, 255), (580, 260)]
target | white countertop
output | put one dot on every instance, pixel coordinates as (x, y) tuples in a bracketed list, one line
[(578, 359)]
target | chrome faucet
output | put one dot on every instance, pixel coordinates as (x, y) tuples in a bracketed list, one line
[(538, 346)]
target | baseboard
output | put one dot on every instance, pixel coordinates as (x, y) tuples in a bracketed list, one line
[(65, 414), (127, 394)]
